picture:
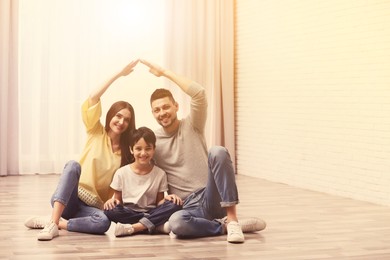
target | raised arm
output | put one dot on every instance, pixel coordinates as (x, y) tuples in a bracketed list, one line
[(159, 71), (198, 113), (95, 95)]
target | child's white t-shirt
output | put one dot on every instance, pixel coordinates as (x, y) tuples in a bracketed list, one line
[(139, 192)]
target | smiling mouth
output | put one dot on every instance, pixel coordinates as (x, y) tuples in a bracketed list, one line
[(164, 119)]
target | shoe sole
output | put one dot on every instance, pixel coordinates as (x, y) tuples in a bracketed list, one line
[(43, 238), (236, 241)]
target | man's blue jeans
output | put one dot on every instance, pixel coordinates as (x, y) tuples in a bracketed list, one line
[(201, 208), (80, 216)]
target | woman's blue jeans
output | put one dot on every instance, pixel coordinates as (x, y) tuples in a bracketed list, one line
[(81, 217), (201, 208)]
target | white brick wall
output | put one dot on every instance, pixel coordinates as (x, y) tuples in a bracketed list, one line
[(313, 94)]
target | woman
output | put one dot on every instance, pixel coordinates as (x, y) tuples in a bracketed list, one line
[(84, 186)]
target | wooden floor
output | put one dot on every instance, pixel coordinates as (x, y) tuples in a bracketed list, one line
[(301, 225)]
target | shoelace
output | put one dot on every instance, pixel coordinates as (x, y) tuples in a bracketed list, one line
[(40, 223), (234, 229), (48, 228)]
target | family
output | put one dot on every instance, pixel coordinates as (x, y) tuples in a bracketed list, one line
[(166, 181)]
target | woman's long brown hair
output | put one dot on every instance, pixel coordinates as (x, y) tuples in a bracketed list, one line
[(126, 156)]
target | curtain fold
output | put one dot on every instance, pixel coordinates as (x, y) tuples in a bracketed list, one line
[(200, 45), (54, 52), (67, 49), (9, 108)]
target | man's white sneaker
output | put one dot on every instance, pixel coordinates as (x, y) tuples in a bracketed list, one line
[(252, 224), (49, 232), (248, 225), (164, 228), (122, 230), (234, 232), (37, 222)]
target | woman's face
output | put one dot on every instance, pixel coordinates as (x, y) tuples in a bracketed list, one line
[(120, 122)]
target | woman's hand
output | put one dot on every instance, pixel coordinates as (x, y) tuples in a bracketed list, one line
[(95, 95), (129, 68), (174, 198), (111, 203)]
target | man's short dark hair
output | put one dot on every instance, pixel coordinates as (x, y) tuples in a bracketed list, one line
[(161, 93)]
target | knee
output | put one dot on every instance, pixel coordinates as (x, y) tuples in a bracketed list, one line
[(73, 167), (101, 222), (177, 222), (218, 153)]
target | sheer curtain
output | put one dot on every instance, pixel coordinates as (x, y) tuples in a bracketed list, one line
[(200, 44), (67, 48), (8, 87), (63, 49)]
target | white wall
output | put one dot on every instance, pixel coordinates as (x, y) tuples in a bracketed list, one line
[(313, 95)]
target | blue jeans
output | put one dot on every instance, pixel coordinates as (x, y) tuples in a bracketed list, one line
[(81, 217), (150, 219), (201, 208)]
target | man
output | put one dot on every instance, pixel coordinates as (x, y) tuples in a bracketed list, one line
[(204, 180)]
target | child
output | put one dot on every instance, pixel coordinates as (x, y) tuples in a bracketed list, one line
[(139, 203)]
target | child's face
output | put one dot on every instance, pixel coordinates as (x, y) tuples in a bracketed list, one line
[(142, 151)]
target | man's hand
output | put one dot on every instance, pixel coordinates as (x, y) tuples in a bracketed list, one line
[(153, 68), (174, 198)]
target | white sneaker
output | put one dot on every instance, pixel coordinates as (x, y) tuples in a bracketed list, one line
[(164, 229), (172, 235), (122, 230), (248, 225), (37, 222), (252, 224), (49, 232), (234, 232)]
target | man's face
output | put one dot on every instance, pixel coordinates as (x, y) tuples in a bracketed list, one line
[(165, 112)]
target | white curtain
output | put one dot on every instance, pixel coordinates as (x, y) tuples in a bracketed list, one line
[(67, 48), (200, 44), (63, 49), (8, 88)]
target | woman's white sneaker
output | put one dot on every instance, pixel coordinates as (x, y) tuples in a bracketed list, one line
[(49, 232), (36, 222)]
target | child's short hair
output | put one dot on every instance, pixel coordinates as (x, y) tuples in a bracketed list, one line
[(143, 132)]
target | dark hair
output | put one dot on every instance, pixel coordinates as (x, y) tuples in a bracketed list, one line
[(161, 93), (143, 132), (126, 156)]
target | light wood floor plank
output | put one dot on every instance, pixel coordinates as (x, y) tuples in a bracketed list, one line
[(302, 224)]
